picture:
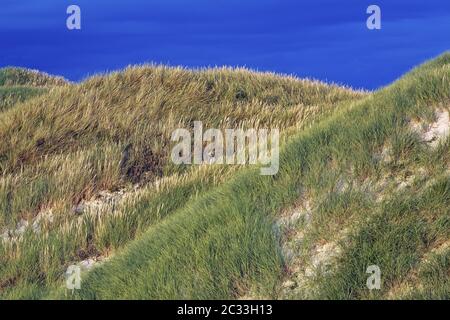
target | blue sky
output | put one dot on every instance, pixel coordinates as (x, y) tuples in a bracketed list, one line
[(323, 39)]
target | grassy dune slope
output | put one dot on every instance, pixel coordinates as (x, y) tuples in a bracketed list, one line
[(361, 183), (18, 85), (360, 188), (64, 148)]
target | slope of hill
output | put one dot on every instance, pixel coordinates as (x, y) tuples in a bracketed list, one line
[(18, 85), (67, 192), (368, 186), (11, 76), (364, 181)]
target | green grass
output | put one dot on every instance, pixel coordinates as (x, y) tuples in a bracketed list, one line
[(209, 233), (204, 251), (395, 239), (11, 76), (9, 96), (177, 259), (18, 85), (75, 148)]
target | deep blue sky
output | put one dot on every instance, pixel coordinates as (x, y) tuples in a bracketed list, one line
[(323, 39)]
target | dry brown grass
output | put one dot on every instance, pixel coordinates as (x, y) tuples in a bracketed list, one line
[(67, 145)]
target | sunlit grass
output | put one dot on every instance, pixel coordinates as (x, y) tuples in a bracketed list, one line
[(76, 136), (208, 232)]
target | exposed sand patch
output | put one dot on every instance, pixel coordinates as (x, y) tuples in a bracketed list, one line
[(304, 270), (289, 228), (385, 155), (304, 264), (43, 218), (291, 218), (435, 133), (90, 263), (105, 201)]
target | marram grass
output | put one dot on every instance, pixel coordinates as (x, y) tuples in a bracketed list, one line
[(209, 233)]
